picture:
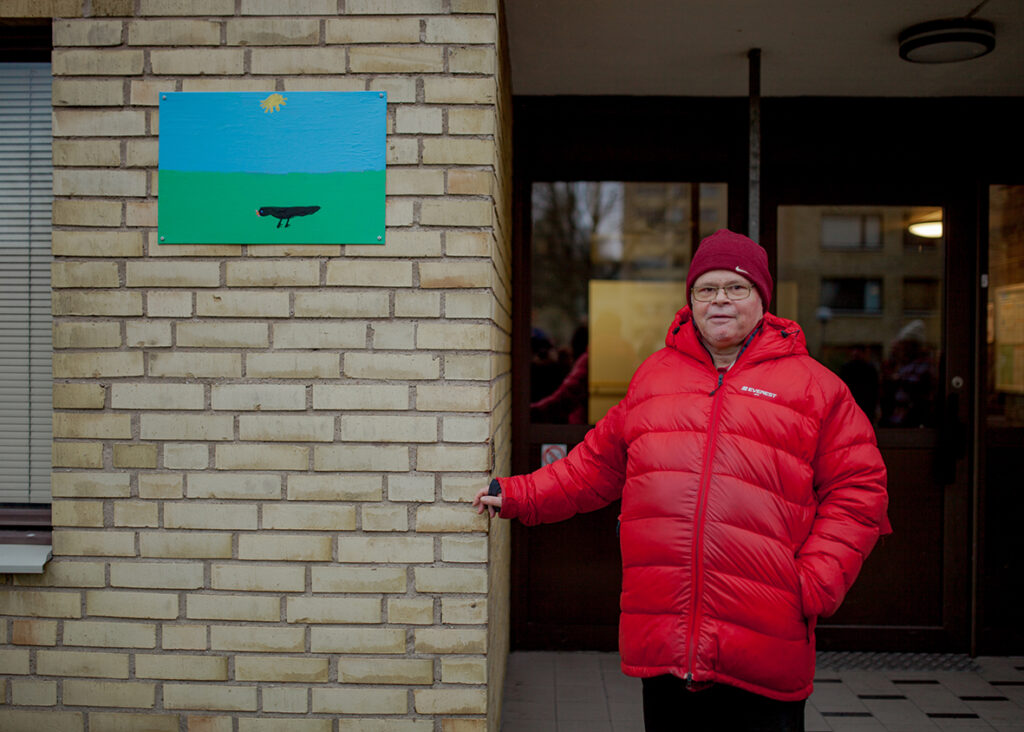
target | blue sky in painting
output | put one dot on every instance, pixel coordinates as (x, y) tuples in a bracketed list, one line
[(312, 132)]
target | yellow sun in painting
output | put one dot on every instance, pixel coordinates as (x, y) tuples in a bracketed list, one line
[(273, 103)]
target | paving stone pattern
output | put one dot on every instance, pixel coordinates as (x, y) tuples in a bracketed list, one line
[(586, 692)]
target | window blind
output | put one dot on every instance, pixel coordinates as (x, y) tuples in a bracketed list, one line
[(26, 381)]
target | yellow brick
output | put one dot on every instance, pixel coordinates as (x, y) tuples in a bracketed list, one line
[(464, 548), (223, 335), (96, 426), (285, 700), (184, 545), (298, 60), (233, 607), (105, 543), (82, 663), (360, 701), (359, 579), (391, 549), (451, 701), (373, 30), (361, 457), (413, 182), (93, 63), (141, 153), (248, 724), (65, 573), (449, 518), (454, 336), (181, 62), (14, 661), (444, 640), (109, 634), (259, 397), (366, 724), (262, 457), (78, 513), (463, 611), (470, 60), (463, 671), (136, 513), (195, 365), (351, 397), (78, 454), (129, 722), (468, 243), (411, 611), (94, 365), (139, 213), (337, 304), (281, 428), (396, 366), (471, 121), (457, 151), (385, 671), (369, 428), (417, 304), (117, 604), (134, 456), (333, 610), (98, 243), (165, 666), (450, 398), (320, 335), (415, 120), (28, 692), (455, 212), (273, 273), (415, 488), (294, 365), (309, 517), (112, 8), (465, 429), (285, 547), (115, 302), (335, 487), (186, 427), (161, 273), (385, 518), (369, 273), (452, 458), (396, 59), (157, 575), (402, 243), (442, 579), (242, 304), (392, 7), (399, 212), (79, 396), (454, 90), (273, 32), (257, 577), (173, 33), (234, 486), (210, 697), (34, 632), (169, 304), (98, 122), (402, 151), (468, 304), (156, 396), (160, 485), (280, 668), (30, 721), (87, 33), (458, 29), (84, 274), (184, 637), (398, 336), (108, 693), (469, 183), (147, 334), (256, 638), (87, 153), (209, 723), (207, 515)]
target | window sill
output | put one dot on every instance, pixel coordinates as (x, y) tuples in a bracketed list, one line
[(24, 558)]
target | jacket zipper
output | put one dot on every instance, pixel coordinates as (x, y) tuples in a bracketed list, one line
[(698, 537)]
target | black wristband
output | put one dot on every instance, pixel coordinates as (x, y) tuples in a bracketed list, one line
[(495, 488)]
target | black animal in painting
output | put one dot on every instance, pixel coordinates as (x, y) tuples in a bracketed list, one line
[(286, 213)]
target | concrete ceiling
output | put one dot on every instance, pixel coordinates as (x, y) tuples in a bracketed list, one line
[(699, 48)]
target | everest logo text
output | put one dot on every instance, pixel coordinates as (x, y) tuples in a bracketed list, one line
[(758, 392)]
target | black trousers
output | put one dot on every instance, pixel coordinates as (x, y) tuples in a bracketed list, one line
[(670, 707)]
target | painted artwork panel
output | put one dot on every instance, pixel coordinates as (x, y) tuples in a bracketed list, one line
[(272, 168)]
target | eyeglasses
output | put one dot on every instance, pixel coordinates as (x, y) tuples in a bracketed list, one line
[(733, 292)]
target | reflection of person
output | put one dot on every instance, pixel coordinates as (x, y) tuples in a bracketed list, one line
[(752, 490), (862, 377), (568, 403), (910, 383)]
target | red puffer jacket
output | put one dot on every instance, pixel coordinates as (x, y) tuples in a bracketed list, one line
[(750, 498)]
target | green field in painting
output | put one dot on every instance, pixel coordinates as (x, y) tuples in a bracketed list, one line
[(220, 208)]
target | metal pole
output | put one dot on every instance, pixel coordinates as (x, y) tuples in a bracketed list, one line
[(754, 161)]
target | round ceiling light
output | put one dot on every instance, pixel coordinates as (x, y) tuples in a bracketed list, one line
[(947, 41)]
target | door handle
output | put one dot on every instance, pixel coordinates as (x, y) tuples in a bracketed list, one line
[(952, 440)]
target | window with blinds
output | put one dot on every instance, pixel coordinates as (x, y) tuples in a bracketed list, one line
[(26, 381)]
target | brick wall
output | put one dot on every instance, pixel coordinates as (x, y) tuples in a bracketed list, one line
[(262, 453)]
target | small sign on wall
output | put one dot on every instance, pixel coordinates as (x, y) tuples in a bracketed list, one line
[(550, 452), (272, 168)]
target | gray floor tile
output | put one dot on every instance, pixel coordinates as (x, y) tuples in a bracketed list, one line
[(602, 725), (899, 715), (1004, 713), (814, 722), (855, 724), (933, 698), (835, 698), (580, 711), (867, 682)]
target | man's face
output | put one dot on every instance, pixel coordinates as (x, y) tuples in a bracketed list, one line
[(724, 323)]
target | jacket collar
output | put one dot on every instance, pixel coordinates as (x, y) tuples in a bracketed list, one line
[(777, 338)]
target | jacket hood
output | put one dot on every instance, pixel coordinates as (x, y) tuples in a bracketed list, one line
[(778, 337)]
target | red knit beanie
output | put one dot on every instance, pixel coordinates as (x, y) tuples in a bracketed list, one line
[(728, 250)]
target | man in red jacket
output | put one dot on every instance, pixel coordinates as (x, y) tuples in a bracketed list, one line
[(752, 490)]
